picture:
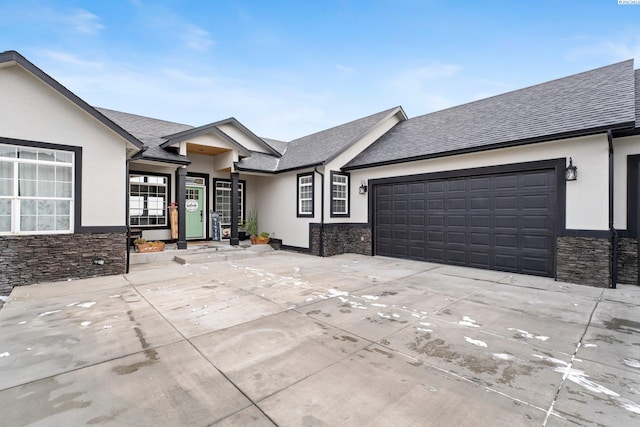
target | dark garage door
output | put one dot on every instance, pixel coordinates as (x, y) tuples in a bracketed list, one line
[(501, 222)]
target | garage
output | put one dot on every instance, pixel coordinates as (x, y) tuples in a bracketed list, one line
[(503, 220)]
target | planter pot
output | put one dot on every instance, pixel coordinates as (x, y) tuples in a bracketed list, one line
[(255, 240), (150, 247)]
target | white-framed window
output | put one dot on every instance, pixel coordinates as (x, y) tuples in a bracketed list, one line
[(305, 195), (36, 190), (223, 201), (148, 198), (339, 194)]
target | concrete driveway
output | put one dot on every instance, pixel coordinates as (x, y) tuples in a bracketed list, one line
[(291, 339)]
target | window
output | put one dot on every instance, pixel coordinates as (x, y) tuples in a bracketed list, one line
[(339, 194), (305, 195), (223, 201), (148, 195), (36, 190)]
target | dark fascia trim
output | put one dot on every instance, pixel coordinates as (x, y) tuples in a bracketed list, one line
[(276, 172), (165, 175), (47, 79), (102, 229), (351, 143), (597, 234), (161, 160), (633, 195), (203, 130), (313, 195), (508, 144), (348, 175), (77, 173)]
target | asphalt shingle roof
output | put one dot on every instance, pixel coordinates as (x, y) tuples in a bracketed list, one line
[(596, 99), (150, 132), (316, 148)]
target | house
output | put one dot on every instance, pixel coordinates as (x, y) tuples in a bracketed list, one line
[(482, 184)]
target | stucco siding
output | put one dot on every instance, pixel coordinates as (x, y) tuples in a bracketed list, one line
[(31, 110), (242, 138), (277, 212)]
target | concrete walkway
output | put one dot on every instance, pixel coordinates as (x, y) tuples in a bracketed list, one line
[(296, 340)]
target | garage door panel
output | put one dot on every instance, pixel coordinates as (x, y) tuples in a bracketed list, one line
[(480, 220), (481, 239), (417, 205), (503, 221), (535, 242), (506, 241), (538, 201), (506, 262)]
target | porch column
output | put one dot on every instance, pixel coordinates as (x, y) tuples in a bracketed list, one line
[(181, 197), (235, 213)]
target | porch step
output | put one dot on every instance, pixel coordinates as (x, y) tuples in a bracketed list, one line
[(200, 254)]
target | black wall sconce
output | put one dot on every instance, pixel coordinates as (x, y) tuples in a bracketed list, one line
[(363, 187), (571, 172)]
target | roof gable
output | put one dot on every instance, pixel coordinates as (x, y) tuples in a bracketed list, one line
[(592, 101), (9, 57), (321, 147)]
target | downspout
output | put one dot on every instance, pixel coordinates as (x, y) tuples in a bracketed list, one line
[(321, 240), (613, 232)]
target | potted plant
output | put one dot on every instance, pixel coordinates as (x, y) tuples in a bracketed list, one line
[(143, 246), (263, 238), (251, 225)]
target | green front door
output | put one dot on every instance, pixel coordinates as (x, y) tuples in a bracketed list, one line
[(195, 219)]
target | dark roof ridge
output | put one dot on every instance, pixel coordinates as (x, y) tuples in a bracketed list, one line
[(344, 124)]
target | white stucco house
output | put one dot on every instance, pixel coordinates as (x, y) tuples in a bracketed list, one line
[(482, 184)]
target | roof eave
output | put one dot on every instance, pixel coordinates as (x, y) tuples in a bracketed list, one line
[(535, 140)]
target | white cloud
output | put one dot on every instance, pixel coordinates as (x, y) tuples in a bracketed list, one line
[(68, 58), (624, 50), (82, 22), (196, 38)]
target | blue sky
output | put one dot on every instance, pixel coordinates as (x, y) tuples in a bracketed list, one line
[(286, 69)]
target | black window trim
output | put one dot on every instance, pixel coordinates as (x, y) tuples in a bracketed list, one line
[(150, 227), (313, 196), (244, 196), (348, 204)]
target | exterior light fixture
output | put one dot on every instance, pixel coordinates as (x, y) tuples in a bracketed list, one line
[(363, 187), (571, 172)]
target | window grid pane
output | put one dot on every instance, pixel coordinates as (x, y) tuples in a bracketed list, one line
[(339, 194), (36, 186), (148, 200), (223, 201), (305, 195)]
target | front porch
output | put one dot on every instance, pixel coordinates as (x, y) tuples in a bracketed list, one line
[(199, 253)]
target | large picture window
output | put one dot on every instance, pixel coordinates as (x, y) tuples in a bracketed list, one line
[(339, 194), (36, 190), (148, 198), (305, 195), (223, 201)]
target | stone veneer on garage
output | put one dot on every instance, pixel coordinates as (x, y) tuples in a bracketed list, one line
[(341, 239), (583, 260), (628, 261), (25, 260)]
